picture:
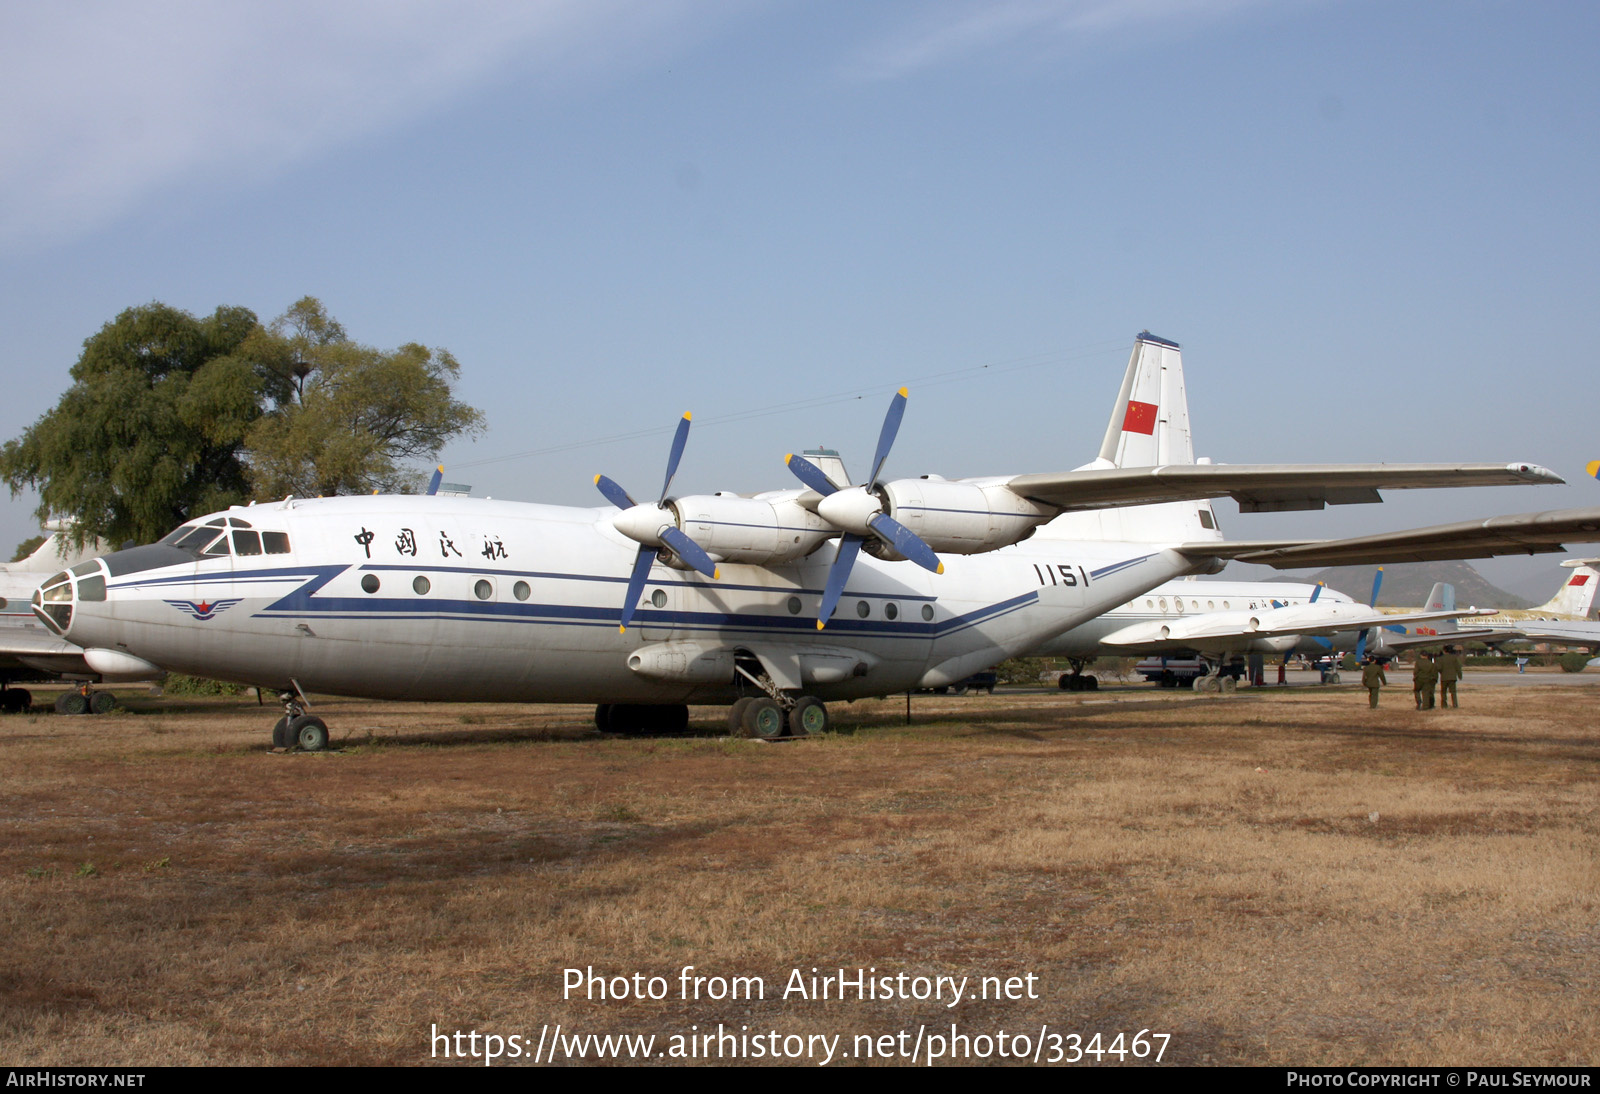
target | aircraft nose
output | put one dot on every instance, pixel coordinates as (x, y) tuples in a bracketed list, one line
[(56, 601)]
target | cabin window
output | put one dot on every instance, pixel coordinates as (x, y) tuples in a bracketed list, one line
[(1206, 521), (927, 612), (1178, 603), (369, 583), (794, 605), (1210, 604), (420, 585), (521, 590), (863, 609), (891, 611), (482, 589), (246, 543), (276, 543), (659, 598), (1163, 603)]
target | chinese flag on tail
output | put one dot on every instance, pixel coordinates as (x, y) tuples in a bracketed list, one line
[(1141, 417)]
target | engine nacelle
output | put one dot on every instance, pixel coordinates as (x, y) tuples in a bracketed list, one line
[(683, 663), (963, 518), (754, 530)]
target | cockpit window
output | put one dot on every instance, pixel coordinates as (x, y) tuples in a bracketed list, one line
[(246, 543), (276, 543), (220, 547), (193, 539)]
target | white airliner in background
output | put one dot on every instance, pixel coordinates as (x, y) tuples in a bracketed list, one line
[(30, 652), (712, 598)]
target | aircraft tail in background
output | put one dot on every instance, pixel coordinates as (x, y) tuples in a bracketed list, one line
[(1576, 597)]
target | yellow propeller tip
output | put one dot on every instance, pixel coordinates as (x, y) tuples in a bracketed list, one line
[(597, 480), (687, 415), (715, 573), (787, 458), (820, 624), (940, 570), (621, 629), (904, 393)]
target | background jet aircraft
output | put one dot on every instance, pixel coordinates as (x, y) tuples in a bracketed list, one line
[(28, 651), (719, 598)]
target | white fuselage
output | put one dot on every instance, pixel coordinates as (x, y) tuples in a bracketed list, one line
[(462, 598)]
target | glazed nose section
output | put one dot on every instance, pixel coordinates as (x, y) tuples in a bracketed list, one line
[(57, 599)]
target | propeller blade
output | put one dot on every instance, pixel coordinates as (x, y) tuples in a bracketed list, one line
[(810, 474), (1361, 641), (1377, 583), (688, 550), (615, 494), (905, 541), (1316, 593), (679, 439), (891, 426), (838, 574), (433, 483), (641, 573)]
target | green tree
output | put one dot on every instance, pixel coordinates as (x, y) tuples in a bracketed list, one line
[(170, 416), (27, 547), (149, 434), (348, 413)]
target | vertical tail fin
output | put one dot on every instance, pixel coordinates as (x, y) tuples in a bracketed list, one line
[(1442, 598), (1575, 599), (1150, 421), (1149, 426)]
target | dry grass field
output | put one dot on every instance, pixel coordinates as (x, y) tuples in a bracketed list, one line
[(1284, 877)]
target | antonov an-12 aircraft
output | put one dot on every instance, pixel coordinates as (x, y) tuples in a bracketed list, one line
[(776, 603)]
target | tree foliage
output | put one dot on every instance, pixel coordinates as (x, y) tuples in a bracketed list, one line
[(170, 416), (351, 412)]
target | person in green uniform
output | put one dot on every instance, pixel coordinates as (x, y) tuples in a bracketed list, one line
[(1424, 674), (1372, 678), (1449, 665)]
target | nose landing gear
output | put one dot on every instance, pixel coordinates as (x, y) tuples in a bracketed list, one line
[(297, 729)]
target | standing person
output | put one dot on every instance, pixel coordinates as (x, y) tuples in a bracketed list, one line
[(1372, 678), (1424, 674), (1450, 670)]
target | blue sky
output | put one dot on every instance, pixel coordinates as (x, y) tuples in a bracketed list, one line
[(1372, 225)]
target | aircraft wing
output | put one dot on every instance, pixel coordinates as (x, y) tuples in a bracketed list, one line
[(33, 648), (1297, 619), (1262, 488), (1551, 630), (1519, 534)]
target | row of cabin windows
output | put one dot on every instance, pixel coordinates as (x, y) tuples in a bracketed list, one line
[(483, 588), (1160, 603)]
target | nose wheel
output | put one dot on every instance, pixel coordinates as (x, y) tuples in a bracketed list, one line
[(297, 729)]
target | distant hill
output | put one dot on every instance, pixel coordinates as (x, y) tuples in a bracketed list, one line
[(1407, 584)]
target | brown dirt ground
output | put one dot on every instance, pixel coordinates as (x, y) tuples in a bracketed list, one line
[(1273, 878)]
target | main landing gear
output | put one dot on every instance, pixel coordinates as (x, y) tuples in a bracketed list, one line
[(1076, 680), (82, 699), (776, 718), (15, 700), (297, 729)]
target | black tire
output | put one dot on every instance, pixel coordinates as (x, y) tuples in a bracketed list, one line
[(808, 718), (73, 702), (602, 717), (310, 733), (764, 720), (15, 700), (672, 718), (625, 718), (1064, 682), (736, 716), (281, 737), (102, 702), (1090, 683)]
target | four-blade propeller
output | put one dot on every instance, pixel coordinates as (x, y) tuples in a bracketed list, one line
[(654, 526), (857, 512)]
